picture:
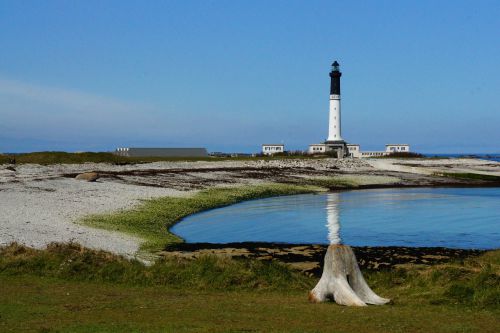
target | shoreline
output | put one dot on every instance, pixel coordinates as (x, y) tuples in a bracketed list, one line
[(308, 258), (41, 204)]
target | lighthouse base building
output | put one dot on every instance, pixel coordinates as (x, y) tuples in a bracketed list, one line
[(340, 149)]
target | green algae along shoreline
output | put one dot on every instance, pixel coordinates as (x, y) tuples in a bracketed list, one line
[(153, 219)]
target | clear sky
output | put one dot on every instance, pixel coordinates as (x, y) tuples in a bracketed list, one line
[(230, 75)]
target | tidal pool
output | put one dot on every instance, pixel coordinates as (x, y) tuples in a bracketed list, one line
[(466, 218)]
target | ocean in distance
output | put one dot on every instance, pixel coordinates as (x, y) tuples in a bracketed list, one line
[(489, 157)]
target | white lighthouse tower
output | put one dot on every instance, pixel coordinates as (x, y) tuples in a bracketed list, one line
[(334, 129), (335, 141)]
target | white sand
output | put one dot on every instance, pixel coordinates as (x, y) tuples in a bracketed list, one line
[(36, 213), (431, 166)]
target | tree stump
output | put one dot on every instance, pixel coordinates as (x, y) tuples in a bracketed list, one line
[(342, 280)]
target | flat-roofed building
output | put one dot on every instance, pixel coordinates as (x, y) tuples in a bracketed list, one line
[(162, 152), (273, 148), (373, 153), (317, 148), (353, 150), (397, 148)]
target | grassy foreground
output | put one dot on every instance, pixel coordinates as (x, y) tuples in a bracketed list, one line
[(66, 288), (152, 218)]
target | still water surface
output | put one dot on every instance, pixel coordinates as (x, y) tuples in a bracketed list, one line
[(449, 217)]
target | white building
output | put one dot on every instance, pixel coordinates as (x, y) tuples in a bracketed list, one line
[(353, 150), (397, 148), (365, 154), (271, 149), (317, 148)]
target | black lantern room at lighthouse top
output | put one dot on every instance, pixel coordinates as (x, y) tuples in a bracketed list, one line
[(335, 75)]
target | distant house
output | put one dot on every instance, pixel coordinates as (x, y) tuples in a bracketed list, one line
[(353, 150), (317, 148), (397, 148), (271, 149), (373, 153), (162, 152)]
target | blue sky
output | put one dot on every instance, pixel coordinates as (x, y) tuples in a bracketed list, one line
[(230, 75)]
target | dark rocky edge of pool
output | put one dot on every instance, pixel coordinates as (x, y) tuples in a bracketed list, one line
[(308, 258)]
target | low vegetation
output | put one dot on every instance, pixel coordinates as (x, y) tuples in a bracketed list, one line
[(6, 159), (54, 157), (474, 282), (152, 218), (67, 288), (75, 263), (403, 155), (331, 182)]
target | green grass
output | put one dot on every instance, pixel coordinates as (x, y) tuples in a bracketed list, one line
[(64, 158), (402, 155), (330, 182), (5, 159), (54, 157), (470, 176), (152, 218), (66, 288), (472, 283), (71, 262)]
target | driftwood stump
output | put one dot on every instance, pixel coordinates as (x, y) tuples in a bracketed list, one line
[(342, 280)]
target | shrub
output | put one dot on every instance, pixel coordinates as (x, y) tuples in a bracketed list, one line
[(404, 155), (73, 262)]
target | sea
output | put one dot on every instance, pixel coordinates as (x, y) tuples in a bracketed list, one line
[(489, 157)]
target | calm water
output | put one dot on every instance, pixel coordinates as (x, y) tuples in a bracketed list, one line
[(449, 217)]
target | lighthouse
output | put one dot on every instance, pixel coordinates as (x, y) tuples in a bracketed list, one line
[(334, 130), (335, 141)]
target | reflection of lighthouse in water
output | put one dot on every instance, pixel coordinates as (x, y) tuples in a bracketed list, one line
[(332, 218)]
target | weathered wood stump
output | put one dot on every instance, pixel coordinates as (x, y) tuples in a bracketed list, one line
[(342, 280)]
